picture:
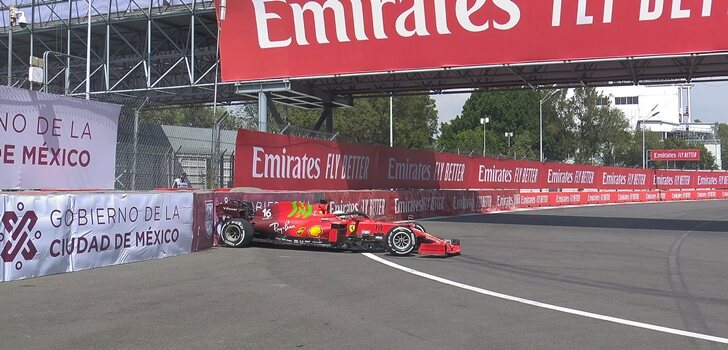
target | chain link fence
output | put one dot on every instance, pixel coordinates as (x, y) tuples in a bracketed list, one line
[(150, 156), (479, 152), (161, 153)]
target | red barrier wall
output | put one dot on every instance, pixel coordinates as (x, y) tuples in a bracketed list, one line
[(282, 162), (415, 204)]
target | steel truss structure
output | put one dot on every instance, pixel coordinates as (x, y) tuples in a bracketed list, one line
[(558, 74), (166, 52), (161, 51)]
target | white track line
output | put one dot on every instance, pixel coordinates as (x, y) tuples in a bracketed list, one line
[(548, 306)]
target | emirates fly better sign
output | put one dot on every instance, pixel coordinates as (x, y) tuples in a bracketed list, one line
[(263, 39), (675, 154)]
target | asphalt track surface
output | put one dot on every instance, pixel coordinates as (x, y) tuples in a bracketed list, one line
[(661, 264)]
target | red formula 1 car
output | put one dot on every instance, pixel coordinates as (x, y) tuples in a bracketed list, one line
[(306, 224)]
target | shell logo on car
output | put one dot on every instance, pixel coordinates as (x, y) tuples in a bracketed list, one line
[(314, 231)]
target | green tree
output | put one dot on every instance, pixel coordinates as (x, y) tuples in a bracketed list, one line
[(415, 121), (509, 111), (629, 152), (614, 137), (574, 128), (559, 129), (600, 129), (198, 117)]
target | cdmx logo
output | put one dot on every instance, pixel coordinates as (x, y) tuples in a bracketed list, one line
[(17, 236)]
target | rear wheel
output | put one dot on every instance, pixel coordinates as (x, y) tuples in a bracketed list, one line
[(401, 240), (237, 233)]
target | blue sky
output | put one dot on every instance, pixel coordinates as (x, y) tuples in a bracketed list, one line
[(709, 103)]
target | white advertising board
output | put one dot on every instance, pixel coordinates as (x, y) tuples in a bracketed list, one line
[(55, 142), (47, 234), (2, 237)]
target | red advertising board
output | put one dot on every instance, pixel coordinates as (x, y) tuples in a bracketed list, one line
[(675, 155), (414, 204), (264, 39), (282, 162)]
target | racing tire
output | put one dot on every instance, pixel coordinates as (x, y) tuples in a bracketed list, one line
[(401, 241), (237, 233)]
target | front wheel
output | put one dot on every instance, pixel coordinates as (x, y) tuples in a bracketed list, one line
[(237, 233), (401, 241)]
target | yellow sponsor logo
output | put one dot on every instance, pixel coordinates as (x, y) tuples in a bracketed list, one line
[(300, 231), (352, 228), (315, 231)]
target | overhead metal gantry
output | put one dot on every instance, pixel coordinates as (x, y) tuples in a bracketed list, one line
[(559, 74), (655, 70)]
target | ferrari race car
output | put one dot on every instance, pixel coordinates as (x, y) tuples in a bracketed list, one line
[(306, 224)]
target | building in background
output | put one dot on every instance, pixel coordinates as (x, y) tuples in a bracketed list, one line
[(664, 109), (160, 153)]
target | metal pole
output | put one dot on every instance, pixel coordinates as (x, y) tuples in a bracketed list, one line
[(484, 139), (136, 150), (540, 130), (67, 84), (11, 19), (643, 147), (642, 123), (216, 129), (193, 21), (262, 112), (391, 121), (88, 52), (10, 55), (680, 104), (540, 121), (149, 45), (45, 71), (32, 26), (168, 161), (107, 78), (689, 107)]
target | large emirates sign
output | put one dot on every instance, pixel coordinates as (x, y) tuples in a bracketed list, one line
[(263, 39)]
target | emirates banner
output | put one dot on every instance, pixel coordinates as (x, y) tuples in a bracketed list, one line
[(55, 233), (282, 162), (385, 205), (305, 38), (674, 155), (417, 204), (55, 142)]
